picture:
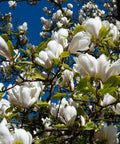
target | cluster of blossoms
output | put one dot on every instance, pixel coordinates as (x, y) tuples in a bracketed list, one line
[(54, 48), (60, 18), (90, 10), (22, 33), (112, 8), (8, 19)]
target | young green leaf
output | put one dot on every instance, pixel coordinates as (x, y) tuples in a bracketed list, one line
[(79, 28), (11, 48), (43, 104), (59, 95), (64, 54)]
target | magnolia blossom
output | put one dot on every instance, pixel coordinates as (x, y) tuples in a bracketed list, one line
[(61, 37), (4, 51), (116, 108), (64, 20), (56, 15), (70, 5), (53, 50), (93, 25), (64, 111), (108, 99), (23, 136), (45, 22), (80, 42), (47, 122), (25, 95), (12, 4), (67, 114), (67, 79), (88, 65), (23, 27), (5, 136), (69, 13), (114, 30), (4, 105), (108, 133)]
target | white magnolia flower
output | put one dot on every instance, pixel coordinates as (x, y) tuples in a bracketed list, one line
[(23, 136), (67, 114), (69, 13), (93, 25), (5, 136), (47, 122), (4, 51), (23, 27), (25, 95), (59, 24), (73, 103), (53, 50), (108, 133), (67, 79), (61, 37), (46, 22), (64, 20), (116, 108), (43, 59), (108, 99), (80, 42), (88, 65), (114, 30), (12, 4), (4, 105), (70, 5), (56, 15)]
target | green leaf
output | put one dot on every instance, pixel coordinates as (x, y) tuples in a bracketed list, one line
[(80, 111), (89, 126), (43, 104), (103, 32), (65, 66), (24, 62), (5, 37), (104, 91), (59, 95), (18, 142), (1, 94), (37, 76), (11, 48), (22, 68), (64, 54), (84, 85), (60, 126), (112, 81), (13, 115), (79, 28), (10, 109), (111, 43), (42, 45), (81, 97), (56, 61)]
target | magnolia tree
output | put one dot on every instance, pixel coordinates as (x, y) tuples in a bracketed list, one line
[(66, 89)]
